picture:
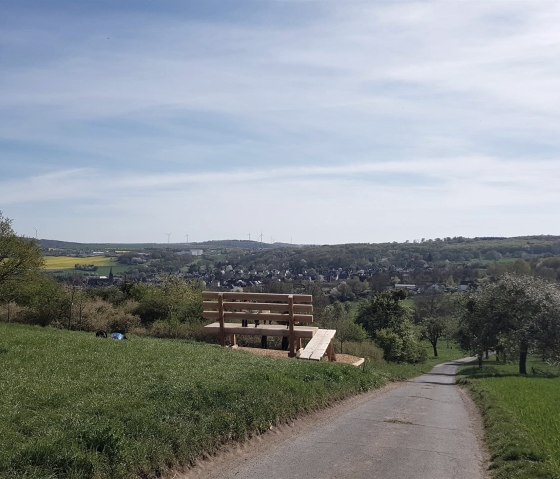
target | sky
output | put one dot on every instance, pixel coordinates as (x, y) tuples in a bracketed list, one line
[(304, 121)]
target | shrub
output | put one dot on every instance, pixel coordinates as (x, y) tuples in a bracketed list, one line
[(13, 313), (362, 349), (173, 328), (97, 314), (391, 343), (397, 347)]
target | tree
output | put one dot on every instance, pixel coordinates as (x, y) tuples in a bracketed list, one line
[(434, 328), (339, 316), (388, 323), (383, 310), (174, 298), (348, 330), (47, 300), (18, 256), (519, 309), (434, 312)]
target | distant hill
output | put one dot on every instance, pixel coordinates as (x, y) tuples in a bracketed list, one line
[(68, 245), (212, 245), (240, 244), (454, 249)]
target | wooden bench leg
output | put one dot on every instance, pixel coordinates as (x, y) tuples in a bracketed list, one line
[(233, 340), (292, 349), (330, 352), (298, 344), (292, 336)]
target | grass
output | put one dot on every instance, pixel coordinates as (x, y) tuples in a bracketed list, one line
[(521, 416), (76, 406), (68, 262), (447, 351)]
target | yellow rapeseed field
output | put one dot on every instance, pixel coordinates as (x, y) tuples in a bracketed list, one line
[(68, 262)]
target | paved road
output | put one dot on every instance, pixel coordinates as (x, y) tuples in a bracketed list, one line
[(421, 429)]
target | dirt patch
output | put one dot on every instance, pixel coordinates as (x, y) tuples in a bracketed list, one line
[(277, 353)]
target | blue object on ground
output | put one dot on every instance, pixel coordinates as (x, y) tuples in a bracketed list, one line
[(118, 336)]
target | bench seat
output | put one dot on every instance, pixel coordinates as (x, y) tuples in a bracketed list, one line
[(262, 330)]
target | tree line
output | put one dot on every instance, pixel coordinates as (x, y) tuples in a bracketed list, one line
[(514, 314)]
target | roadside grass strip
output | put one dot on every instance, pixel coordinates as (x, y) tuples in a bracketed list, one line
[(521, 418)]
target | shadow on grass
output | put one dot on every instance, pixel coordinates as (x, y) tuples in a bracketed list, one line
[(459, 363), (493, 372)]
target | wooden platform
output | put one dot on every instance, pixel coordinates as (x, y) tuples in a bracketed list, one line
[(317, 347), (263, 330)]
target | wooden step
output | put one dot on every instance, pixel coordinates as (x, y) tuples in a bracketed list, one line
[(317, 347)]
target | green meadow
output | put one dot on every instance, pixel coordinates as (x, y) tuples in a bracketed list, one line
[(521, 416)]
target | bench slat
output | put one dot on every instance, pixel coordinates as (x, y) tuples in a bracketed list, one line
[(238, 315), (246, 306), (261, 297), (262, 330)]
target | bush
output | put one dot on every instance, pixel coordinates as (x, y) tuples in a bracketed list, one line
[(362, 349), (399, 348), (391, 343), (13, 313), (100, 315), (175, 298), (173, 328)]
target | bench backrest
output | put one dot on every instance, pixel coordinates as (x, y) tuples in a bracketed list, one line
[(292, 308)]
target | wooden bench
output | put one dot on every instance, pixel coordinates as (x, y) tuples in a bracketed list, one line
[(293, 310)]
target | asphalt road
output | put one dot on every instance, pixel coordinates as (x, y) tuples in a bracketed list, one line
[(422, 429)]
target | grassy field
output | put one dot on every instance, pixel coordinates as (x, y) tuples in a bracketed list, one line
[(521, 416), (76, 406), (68, 262)]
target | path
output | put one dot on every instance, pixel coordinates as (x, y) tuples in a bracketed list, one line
[(420, 429)]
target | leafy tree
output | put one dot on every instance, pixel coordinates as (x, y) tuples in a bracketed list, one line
[(434, 328), (174, 298), (383, 310), (22, 282), (47, 300), (348, 330), (388, 323), (339, 316), (434, 314), (18, 256), (520, 309)]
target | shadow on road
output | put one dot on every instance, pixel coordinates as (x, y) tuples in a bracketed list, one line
[(420, 381)]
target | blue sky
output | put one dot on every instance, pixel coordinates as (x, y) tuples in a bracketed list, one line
[(312, 121)]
